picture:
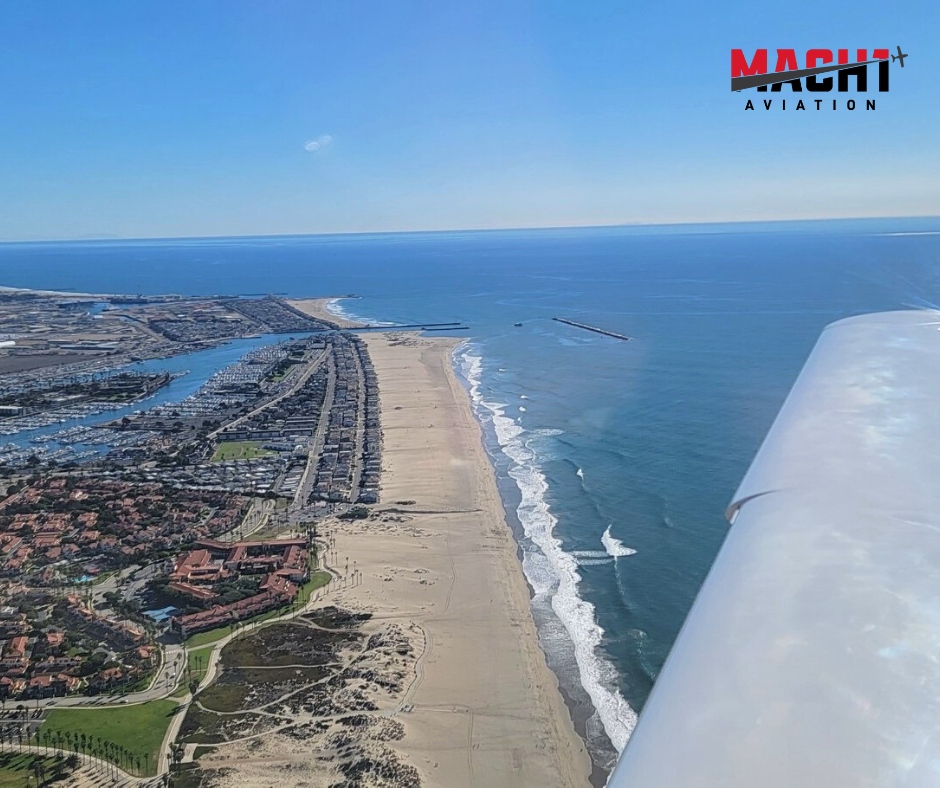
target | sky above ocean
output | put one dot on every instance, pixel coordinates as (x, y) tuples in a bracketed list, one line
[(171, 119)]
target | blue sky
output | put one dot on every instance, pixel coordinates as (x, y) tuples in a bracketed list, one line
[(149, 119)]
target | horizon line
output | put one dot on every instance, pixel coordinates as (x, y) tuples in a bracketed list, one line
[(341, 233)]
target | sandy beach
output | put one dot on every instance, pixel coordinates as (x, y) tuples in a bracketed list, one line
[(437, 558)]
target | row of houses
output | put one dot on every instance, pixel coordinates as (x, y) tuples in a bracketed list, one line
[(295, 416), (337, 464), (372, 430), (225, 615)]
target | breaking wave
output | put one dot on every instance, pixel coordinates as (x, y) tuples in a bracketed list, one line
[(555, 573), (336, 308), (614, 546)]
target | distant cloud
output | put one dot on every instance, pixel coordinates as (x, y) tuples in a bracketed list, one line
[(322, 141)]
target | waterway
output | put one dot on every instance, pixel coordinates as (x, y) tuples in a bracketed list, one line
[(196, 369)]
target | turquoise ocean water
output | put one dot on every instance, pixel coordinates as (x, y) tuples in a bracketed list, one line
[(615, 459)]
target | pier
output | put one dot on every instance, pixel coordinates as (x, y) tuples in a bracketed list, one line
[(595, 329)]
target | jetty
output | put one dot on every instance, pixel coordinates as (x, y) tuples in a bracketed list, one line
[(406, 326), (595, 329)]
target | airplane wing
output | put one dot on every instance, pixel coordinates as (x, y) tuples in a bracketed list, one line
[(811, 656)]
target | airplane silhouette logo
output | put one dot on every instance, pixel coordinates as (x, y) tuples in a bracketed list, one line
[(754, 73)]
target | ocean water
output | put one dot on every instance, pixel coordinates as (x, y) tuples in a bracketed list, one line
[(615, 459)]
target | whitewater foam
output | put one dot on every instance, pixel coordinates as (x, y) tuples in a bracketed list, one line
[(614, 547), (336, 308), (552, 571)]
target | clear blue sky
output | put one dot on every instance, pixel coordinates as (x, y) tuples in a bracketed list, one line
[(146, 119)]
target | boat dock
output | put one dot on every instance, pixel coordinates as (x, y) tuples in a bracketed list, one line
[(595, 329)]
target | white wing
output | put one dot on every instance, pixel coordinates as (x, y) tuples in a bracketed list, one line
[(811, 656)]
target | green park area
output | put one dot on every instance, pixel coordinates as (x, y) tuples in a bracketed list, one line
[(277, 377), (239, 450), (19, 769), (129, 736), (317, 580)]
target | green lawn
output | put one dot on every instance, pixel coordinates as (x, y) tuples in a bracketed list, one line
[(239, 450), (317, 580), (139, 729), (197, 660), (281, 375), (15, 768), (210, 636), (201, 639)]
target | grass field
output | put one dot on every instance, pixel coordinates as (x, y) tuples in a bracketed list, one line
[(15, 768), (139, 729), (285, 374), (239, 450), (317, 580), (197, 660), (201, 639)]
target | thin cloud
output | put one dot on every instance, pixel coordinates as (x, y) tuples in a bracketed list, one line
[(312, 146)]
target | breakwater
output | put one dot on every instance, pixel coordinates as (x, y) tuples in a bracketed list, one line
[(595, 329)]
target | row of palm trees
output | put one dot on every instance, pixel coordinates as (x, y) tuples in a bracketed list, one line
[(114, 755)]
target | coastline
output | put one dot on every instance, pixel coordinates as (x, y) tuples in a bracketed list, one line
[(567, 624), (486, 708)]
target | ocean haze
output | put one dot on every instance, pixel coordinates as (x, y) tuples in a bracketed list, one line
[(626, 453)]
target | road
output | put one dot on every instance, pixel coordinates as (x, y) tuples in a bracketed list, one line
[(173, 662), (316, 442)]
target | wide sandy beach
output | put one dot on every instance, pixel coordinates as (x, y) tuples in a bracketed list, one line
[(483, 709)]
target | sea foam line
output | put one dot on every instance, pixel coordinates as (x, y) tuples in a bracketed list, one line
[(558, 576), (336, 308)]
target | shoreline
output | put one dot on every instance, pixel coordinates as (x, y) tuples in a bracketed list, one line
[(444, 559), (566, 623), (580, 672)]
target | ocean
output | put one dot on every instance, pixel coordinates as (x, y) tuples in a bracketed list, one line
[(615, 459)]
